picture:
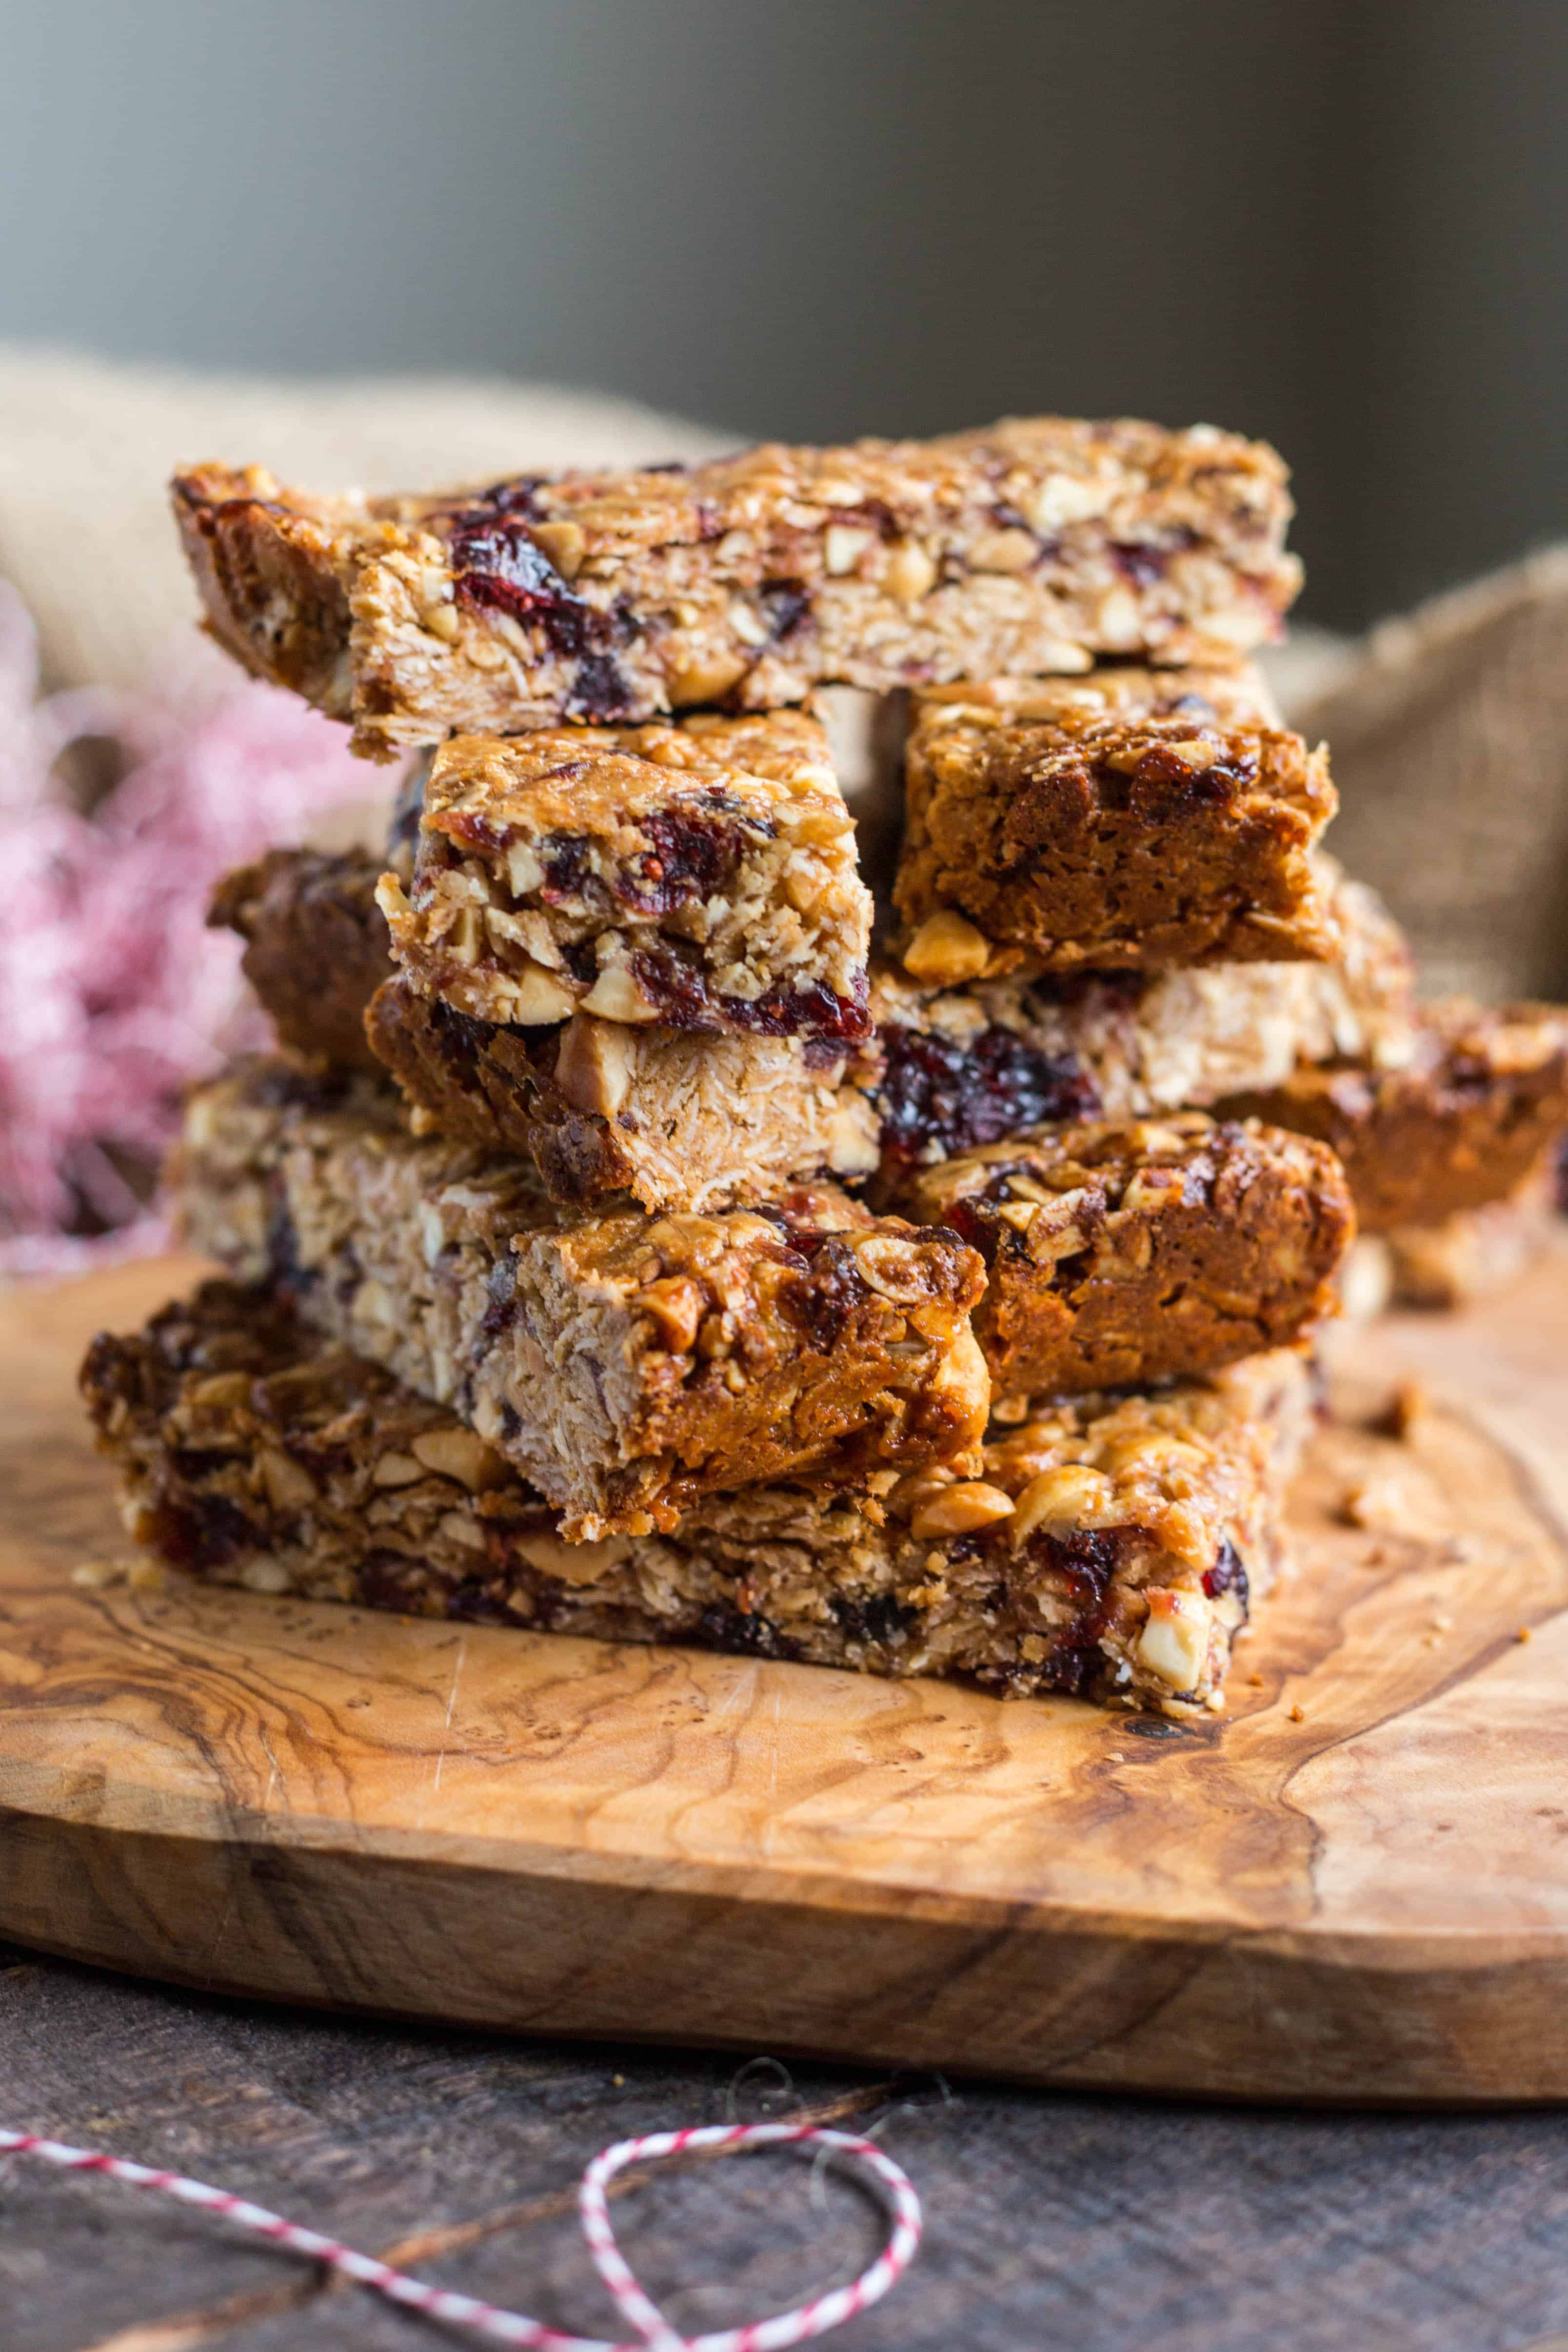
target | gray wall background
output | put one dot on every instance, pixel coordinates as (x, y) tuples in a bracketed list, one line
[(1340, 225)]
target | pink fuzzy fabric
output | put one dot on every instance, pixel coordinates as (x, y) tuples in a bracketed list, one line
[(113, 994)]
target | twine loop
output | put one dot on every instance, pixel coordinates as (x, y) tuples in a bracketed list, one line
[(888, 2181)]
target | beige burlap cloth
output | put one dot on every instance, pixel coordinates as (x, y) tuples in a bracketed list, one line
[(1449, 729), (87, 448)]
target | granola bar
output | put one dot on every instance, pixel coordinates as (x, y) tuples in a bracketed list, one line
[(678, 1121), (701, 875), (1120, 1254), (625, 1364), (1033, 545), (1111, 1548), (316, 946), (951, 1068), (1462, 1123), (1102, 843)]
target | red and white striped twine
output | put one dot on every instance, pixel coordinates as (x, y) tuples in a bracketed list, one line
[(654, 2332)]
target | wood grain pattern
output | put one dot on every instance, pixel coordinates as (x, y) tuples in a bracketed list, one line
[(1355, 1885)]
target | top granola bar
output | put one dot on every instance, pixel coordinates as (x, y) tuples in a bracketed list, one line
[(1035, 545)]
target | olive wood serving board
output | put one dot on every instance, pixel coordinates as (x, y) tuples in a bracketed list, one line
[(1352, 1886)]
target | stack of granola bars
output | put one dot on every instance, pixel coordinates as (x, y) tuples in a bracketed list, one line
[(622, 1244)]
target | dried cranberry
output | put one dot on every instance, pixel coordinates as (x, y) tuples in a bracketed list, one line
[(742, 1631), (457, 1037), (473, 1603), (695, 851), (203, 1531), (785, 605), (386, 1580), (679, 986), (567, 872), (1087, 1561), (600, 690), (884, 1618), (935, 1091), (822, 1301), (519, 496), (1143, 566), (495, 563), (501, 1309), (1228, 1575)]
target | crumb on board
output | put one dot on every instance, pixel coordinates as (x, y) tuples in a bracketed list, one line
[(1298, 1715), (1405, 1410), (94, 1575)]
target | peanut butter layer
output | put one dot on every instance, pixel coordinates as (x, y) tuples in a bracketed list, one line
[(625, 1364), (1071, 843), (316, 946), (953, 1067), (678, 1121), (701, 875), (1111, 1548), (1117, 1255), (1460, 1124), (1035, 545)]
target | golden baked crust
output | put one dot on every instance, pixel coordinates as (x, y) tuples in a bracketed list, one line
[(1460, 1125), (1108, 1549), (1034, 545), (1110, 843), (1120, 1254), (626, 1364), (701, 876)]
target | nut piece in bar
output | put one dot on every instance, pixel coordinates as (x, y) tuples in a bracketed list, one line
[(626, 1364), (950, 1069), (701, 875), (680, 1121), (1110, 1548), (1119, 1254), (316, 946), (1461, 1124), (1058, 846), (1034, 545)]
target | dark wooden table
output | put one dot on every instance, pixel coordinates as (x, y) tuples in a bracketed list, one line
[(1084, 2222)]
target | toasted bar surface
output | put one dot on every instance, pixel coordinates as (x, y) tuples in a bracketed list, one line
[(1034, 545), (701, 876), (1461, 1124), (1108, 1549), (317, 947), (1120, 1254), (626, 1364), (1108, 842)]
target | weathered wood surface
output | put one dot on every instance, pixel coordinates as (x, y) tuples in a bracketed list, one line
[(1052, 2219), (1356, 1886)]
